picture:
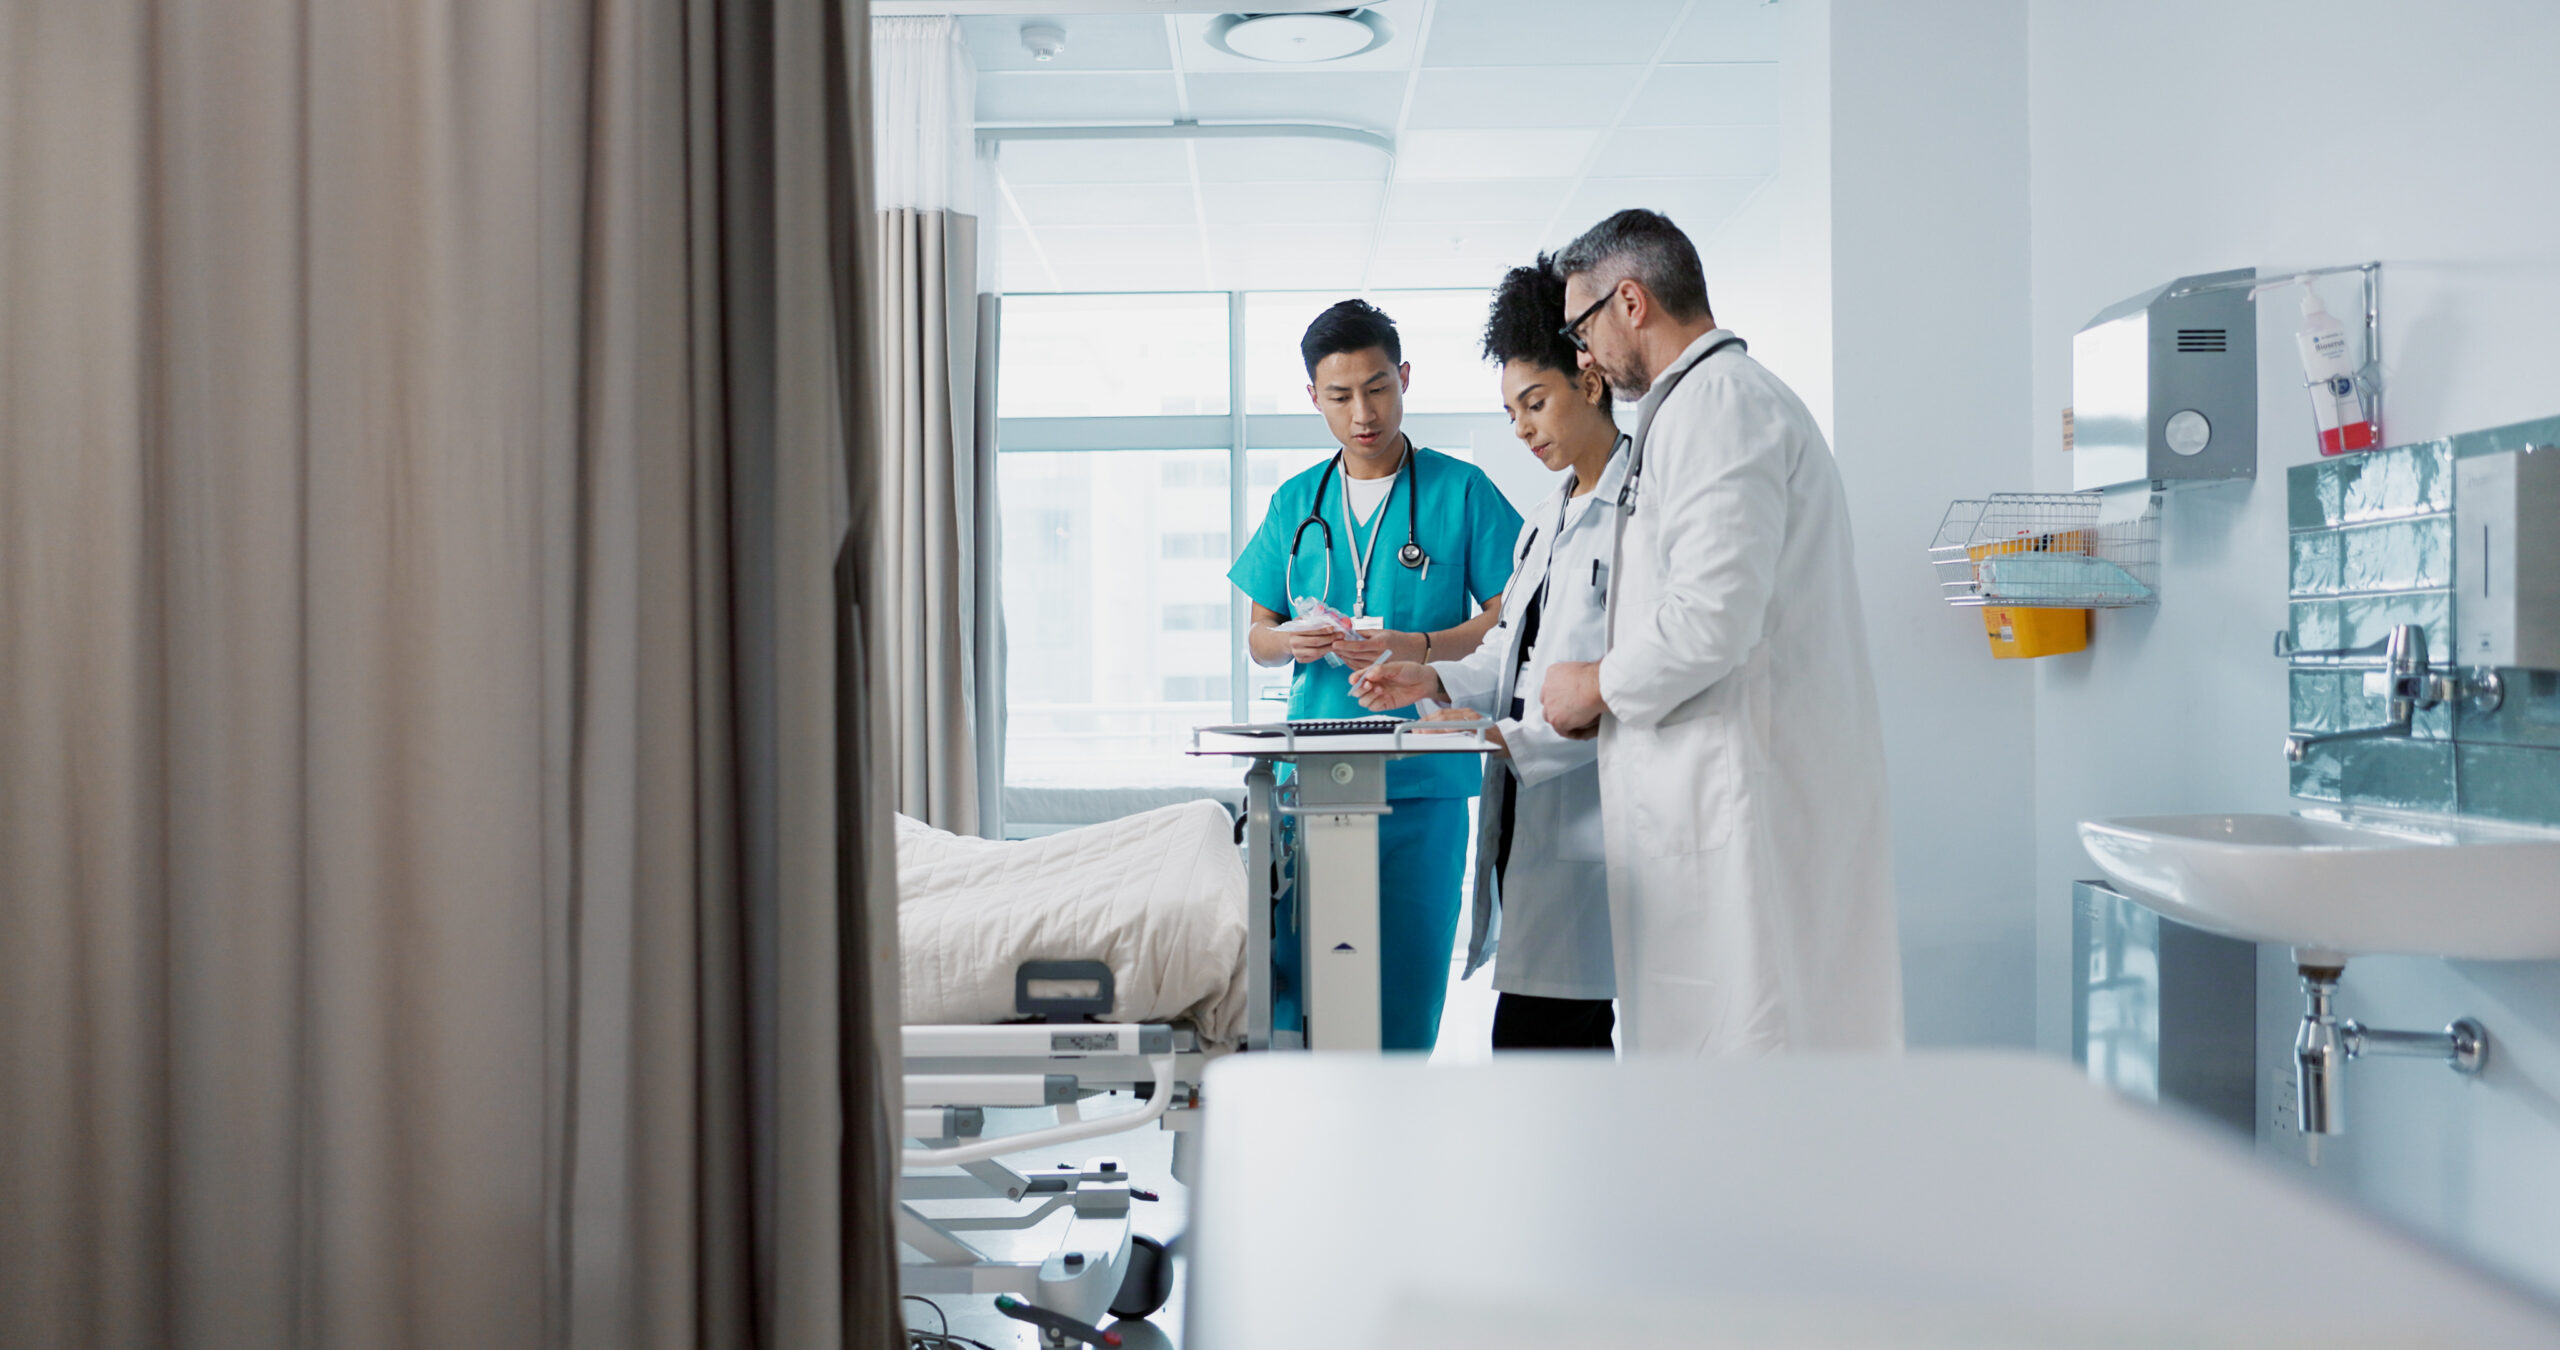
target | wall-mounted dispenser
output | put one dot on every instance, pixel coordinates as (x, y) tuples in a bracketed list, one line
[(2164, 386), (2506, 559)]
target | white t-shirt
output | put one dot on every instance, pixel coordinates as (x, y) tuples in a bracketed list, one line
[(1366, 493)]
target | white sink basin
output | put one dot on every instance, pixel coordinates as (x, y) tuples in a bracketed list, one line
[(2345, 883)]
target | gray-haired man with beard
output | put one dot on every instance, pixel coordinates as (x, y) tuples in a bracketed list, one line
[(1741, 760)]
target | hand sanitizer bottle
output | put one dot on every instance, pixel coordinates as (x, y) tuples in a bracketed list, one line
[(2336, 404)]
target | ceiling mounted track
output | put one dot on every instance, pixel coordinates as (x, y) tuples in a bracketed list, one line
[(1194, 131)]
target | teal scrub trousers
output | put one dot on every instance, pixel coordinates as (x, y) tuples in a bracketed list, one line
[(1422, 862)]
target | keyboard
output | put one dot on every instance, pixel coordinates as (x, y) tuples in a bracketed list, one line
[(1341, 726)]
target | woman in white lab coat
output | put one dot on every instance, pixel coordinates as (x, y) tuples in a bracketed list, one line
[(1541, 881)]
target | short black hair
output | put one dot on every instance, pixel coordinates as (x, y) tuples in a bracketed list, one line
[(1350, 326), (1644, 245), (1527, 322)]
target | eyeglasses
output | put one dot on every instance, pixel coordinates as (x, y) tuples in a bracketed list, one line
[(1572, 332)]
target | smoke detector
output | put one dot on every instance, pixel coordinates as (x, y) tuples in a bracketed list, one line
[(1298, 39), (1045, 41)]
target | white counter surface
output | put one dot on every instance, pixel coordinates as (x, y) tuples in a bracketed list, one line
[(1933, 1200)]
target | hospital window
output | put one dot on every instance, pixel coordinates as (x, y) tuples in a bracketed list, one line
[(1141, 438), (1196, 544)]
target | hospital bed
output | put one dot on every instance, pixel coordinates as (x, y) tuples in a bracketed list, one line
[(1119, 958), (1060, 972)]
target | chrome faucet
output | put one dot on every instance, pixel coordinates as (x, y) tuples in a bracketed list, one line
[(2412, 687)]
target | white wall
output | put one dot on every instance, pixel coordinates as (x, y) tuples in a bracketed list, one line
[(2180, 136), (1928, 125), (1769, 265)]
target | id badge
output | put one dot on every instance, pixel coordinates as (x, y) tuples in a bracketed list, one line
[(1369, 624)]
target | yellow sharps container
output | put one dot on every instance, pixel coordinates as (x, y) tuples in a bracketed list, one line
[(2019, 632)]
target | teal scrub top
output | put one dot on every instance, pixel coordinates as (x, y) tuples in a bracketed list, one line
[(1462, 522)]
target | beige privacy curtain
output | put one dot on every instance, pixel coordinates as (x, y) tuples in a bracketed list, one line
[(438, 902), (937, 463)]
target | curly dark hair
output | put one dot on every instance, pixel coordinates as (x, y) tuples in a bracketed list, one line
[(1527, 319)]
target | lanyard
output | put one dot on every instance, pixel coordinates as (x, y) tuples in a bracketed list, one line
[(1360, 553)]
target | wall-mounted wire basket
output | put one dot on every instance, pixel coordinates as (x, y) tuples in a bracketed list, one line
[(2047, 550)]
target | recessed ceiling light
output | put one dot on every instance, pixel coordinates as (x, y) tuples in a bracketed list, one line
[(1298, 39)]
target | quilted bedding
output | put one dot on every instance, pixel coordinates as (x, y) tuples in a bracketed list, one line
[(1158, 896)]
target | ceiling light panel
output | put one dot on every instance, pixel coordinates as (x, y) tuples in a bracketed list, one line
[(1402, 18), (1094, 162), (1730, 30), (1075, 96), (1544, 33), (1521, 96), (1529, 153), (1297, 39), (1697, 152), (1710, 95), (1094, 42)]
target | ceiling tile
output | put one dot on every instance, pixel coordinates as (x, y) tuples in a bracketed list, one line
[(1094, 162), (1703, 152), (1710, 95), (1094, 42), (1048, 205), (1507, 242), (1369, 100), (1292, 242), (1418, 273), (1430, 155), (1696, 205), (1151, 245), (1543, 33), (1161, 274), (1353, 203), (1235, 160), (1729, 30), (1521, 96), (1074, 96), (1501, 199), (1252, 272)]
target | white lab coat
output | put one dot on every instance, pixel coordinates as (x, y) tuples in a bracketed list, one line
[(1549, 910), (1742, 760)]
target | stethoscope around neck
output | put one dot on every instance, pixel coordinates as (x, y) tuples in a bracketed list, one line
[(1411, 555)]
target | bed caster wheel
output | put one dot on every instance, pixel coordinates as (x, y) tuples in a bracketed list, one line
[(1149, 1281)]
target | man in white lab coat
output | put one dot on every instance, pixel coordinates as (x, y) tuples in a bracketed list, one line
[(1741, 760)]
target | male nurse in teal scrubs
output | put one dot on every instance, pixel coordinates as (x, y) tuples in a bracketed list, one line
[(1415, 546)]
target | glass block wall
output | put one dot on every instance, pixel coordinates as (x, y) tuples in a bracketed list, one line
[(2371, 548)]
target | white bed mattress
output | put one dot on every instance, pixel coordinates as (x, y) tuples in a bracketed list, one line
[(1158, 896)]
